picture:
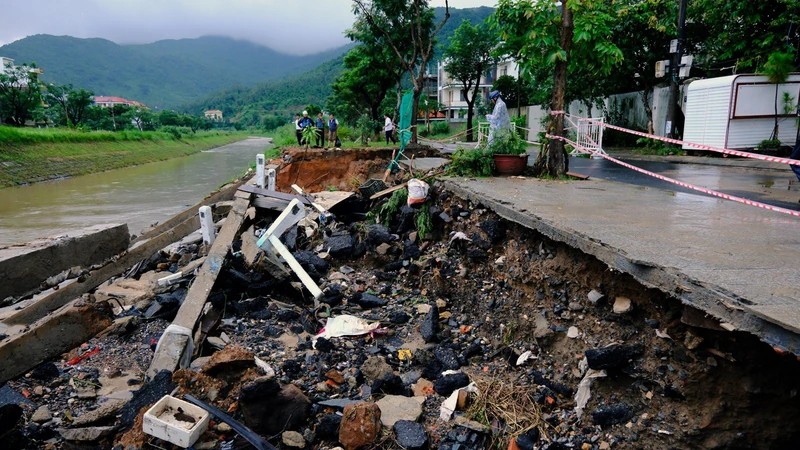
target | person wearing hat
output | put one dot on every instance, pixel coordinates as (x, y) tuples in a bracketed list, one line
[(499, 119), (304, 123)]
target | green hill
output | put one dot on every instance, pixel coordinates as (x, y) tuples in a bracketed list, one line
[(163, 74), (282, 98)]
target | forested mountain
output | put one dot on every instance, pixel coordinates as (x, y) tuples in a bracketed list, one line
[(283, 98), (163, 74)]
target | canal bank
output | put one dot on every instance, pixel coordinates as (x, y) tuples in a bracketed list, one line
[(138, 195), (74, 154)]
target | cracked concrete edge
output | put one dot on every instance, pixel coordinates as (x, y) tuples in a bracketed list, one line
[(713, 300)]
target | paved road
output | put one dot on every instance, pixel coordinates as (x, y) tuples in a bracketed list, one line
[(752, 179)]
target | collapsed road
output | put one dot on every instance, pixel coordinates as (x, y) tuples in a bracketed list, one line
[(443, 326)]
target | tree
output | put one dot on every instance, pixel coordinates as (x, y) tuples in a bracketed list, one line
[(777, 69), (741, 34), (20, 93), (398, 21), (515, 91), (365, 81), (71, 105), (542, 34), (468, 58)]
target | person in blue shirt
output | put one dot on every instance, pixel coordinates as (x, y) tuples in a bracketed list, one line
[(333, 125), (304, 123), (320, 131)]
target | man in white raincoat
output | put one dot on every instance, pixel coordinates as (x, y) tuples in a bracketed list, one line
[(499, 119)]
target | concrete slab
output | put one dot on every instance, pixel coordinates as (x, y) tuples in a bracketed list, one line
[(24, 267), (734, 261), (427, 164)]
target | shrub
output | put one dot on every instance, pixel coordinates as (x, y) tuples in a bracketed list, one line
[(471, 163)]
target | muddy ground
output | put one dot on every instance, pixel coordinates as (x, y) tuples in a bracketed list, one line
[(472, 296)]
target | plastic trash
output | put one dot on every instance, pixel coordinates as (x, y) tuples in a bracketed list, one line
[(346, 325), (417, 191)]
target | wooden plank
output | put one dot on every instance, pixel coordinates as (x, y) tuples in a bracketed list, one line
[(52, 300), (169, 352), (226, 193), (273, 194), (579, 176), (68, 328)]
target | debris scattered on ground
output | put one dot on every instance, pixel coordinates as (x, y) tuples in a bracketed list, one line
[(472, 333)]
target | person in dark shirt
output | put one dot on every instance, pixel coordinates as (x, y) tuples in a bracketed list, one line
[(297, 130), (304, 123), (333, 126), (320, 131)]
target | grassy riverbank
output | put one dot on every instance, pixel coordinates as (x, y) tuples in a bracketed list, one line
[(34, 155)]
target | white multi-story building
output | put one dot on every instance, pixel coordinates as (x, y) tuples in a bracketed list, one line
[(7, 64), (452, 97)]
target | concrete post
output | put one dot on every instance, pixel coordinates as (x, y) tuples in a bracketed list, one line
[(271, 180), (207, 225), (260, 165)]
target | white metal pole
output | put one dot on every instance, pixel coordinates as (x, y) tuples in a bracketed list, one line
[(271, 180), (260, 165), (207, 225)]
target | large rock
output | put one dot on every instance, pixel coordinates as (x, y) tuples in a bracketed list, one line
[(269, 408), (293, 439), (148, 394), (340, 245), (495, 230), (361, 425), (612, 414), (230, 359), (445, 385), (41, 415), (448, 357), (375, 368), (368, 301), (397, 407), (328, 427), (429, 329), (308, 259), (410, 435), (377, 234), (613, 357)]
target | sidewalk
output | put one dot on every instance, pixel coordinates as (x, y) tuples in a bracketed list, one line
[(736, 262), (714, 160)]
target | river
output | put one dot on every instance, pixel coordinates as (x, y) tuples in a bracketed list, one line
[(138, 196)]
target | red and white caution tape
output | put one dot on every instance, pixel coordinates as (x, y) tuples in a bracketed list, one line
[(710, 148), (681, 183)]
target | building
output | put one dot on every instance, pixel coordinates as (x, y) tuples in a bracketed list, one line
[(108, 101), (7, 64), (214, 114), (451, 95)]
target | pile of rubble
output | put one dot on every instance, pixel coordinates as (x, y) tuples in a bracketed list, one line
[(478, 334)]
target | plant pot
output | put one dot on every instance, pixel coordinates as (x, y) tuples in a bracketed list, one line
[(510, 164)]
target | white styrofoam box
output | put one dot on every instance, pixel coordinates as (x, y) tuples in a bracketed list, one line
[(160, 421)]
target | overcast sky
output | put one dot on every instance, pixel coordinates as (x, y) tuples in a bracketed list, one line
[(286, 25)]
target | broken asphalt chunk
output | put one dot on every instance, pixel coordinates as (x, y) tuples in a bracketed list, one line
[(613, 357)]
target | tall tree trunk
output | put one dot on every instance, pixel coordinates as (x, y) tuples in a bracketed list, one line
[(415, 113), (396, 118), (557, 163), (775, 130)]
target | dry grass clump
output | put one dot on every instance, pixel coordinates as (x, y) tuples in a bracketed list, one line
[(507, 408)]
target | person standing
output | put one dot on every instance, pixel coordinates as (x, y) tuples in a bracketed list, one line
[(304, 123), (499, 120), (297, 130), (333, 126), (388, 128), (320, 130)]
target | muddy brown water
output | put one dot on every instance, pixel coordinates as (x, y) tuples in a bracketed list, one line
[(138, 196)]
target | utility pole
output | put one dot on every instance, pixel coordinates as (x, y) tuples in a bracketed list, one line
[(674, 69)]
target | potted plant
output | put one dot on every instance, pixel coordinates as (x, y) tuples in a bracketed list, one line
[(510, 153)]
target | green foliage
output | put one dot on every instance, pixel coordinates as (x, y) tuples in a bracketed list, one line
[(653, 145), (769, 144), (272, 153), (164, 74), (521, 123), (422, 218), (507, 142), (367, 128), (471, 163), (513, 90), (313, 110), (309, 135), (20, 94), (273, 122), (384, 212), (470, 56), (32, 136)]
